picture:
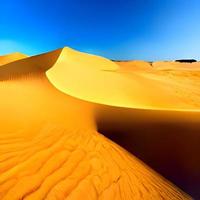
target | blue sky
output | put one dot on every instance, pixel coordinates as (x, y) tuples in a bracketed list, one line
[(117, 29)]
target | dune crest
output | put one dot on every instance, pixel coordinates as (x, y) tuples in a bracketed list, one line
[(11, 57), (173, 65), (70, 71)]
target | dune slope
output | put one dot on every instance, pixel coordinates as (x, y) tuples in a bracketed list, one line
[(49, 144), (120, 87), (11, 58)]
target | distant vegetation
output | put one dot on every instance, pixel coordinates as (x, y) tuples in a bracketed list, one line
[(186, 60), (150, 62)]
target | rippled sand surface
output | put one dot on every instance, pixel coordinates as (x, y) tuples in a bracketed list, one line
[(63, 111)]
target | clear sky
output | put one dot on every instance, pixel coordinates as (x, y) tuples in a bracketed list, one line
[(117, 29)]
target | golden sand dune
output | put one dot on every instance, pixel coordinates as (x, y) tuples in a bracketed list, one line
[(134, 65), (172, 65), (11, 58), (52, 106), (124, 89)]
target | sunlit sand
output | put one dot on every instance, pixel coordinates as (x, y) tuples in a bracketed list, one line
[(11, 58), (53, 108)]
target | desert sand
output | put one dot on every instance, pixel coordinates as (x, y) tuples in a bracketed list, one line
[(11, 58), (59, 109)]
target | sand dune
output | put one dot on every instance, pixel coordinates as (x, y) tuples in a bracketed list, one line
[(172, 65), (11, 58), (128, 89), (57, 105)]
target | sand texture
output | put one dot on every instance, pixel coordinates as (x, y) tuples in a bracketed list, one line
[(63, 113)]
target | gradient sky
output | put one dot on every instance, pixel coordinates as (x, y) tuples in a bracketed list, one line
[(117, 29)]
